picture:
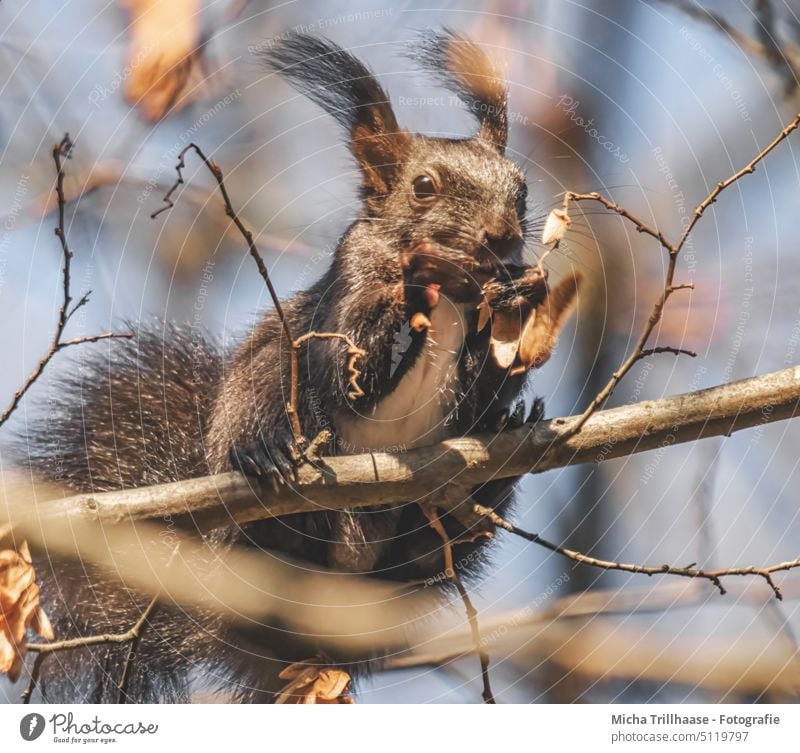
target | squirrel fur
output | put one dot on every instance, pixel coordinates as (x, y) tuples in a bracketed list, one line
[(440, 219)]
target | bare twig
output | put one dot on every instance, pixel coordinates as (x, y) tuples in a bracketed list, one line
[(472, 614), (131, 636), (690, 571), (34, 679), (136, 633), (641, 227), (673, 252), (61, 151), (667, 349), (216, 171), (94, 640), (749, 168), (353, 351)]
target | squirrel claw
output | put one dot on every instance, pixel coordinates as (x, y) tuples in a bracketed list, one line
[(537, 411), (271, 461), (505, 419)]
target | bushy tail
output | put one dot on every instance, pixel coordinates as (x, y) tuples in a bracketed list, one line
[(125, 413)]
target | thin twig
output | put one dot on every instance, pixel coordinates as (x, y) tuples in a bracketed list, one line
[(472, 614), (216, 171), (353, 351), (31, 686), (667, 349), (61, 151), (95, 640), (136, 631), (690, 571), (673, 252), (749, 168), (641, 227)]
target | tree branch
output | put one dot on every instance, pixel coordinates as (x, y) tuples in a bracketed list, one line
[(673, 252), (443, 474)]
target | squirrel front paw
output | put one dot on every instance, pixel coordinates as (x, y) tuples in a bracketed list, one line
[(273, 459), (505, 419)]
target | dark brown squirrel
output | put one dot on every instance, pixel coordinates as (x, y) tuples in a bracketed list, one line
[(443, 222)]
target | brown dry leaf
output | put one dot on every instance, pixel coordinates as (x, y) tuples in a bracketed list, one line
[(19, 608), (164, 61), (506, 333), (529, 334), (545, 324), (555, 226), (313, 683)]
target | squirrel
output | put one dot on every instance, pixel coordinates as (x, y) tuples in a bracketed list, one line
[(434, 262)]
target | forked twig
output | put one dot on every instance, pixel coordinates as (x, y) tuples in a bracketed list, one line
[(353, 351), (673, 252), (690, 571), (131, 636), (61, 151)]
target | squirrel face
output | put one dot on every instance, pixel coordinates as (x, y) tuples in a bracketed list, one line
[(452, 209), (455, 213)]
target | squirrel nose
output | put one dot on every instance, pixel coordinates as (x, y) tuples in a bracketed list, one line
[(504, 244)]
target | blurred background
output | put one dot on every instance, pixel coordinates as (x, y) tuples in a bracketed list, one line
[(649, 102)]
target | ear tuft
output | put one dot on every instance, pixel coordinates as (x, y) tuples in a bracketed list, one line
[(346, 89), (463, 67)]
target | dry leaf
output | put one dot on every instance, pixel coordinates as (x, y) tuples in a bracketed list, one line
[(420, 322), (545, 324), (555, 226), (165, 64), (311, 682), (508, 307), (19, 608), (526, 328)]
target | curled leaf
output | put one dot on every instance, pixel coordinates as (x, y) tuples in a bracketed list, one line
[(166, 68), (543, 327), (19, 608), (311, 682), (555, 226), (525, 328)]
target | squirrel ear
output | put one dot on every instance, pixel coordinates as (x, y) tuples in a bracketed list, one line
[(464, 68), (345, 88)]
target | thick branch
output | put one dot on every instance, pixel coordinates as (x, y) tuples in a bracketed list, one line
[(444, 473)]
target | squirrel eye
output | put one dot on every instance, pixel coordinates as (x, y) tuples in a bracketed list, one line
[(424, 188), (522, 199)]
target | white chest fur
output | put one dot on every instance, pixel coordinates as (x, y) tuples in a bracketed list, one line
[(414, 414)]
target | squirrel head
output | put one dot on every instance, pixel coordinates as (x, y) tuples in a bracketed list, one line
[(455, 207)]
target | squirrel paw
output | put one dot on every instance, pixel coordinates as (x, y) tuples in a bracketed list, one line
[(274, 459), (537, 411), (512, 419)]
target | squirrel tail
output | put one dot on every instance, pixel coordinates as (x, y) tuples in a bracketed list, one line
[(126, 413)]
